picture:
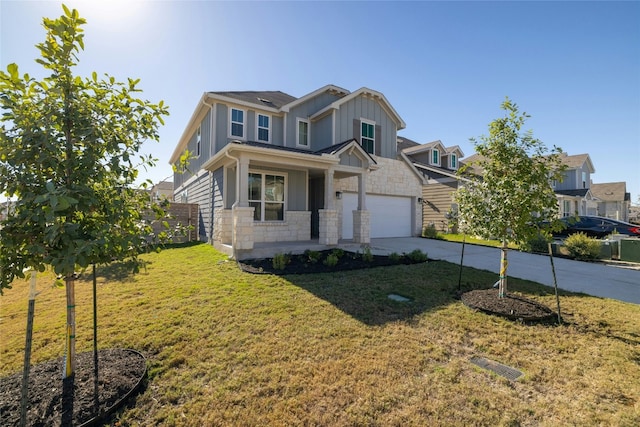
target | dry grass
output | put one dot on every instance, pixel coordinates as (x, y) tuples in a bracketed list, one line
[(230, 348)]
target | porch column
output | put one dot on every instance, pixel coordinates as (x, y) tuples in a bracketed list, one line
[(328, 217), (329, 196), (362, 217), (242, 189)]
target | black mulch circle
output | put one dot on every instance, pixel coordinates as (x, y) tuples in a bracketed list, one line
[(120, 375), (511, 306)]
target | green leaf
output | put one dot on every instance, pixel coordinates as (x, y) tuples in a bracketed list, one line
[(13, 71)]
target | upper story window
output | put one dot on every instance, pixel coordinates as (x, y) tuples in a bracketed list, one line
[(435, 157), (453, 161), (237, 123), (584, 180), (302, 136), (198, 141), (264, 128), (266, 196), (367, 136)]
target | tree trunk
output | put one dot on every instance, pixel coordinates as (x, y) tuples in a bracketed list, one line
[(502, 290), (70, 357)]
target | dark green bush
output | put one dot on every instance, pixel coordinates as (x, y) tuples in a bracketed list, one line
[(331, 260), (430, 232), (394, 257), (367, 256), (417, 256), (280, 261), (539, 244)]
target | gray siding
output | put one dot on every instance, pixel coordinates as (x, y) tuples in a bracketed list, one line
[(368, 109), (198, 191), (305, 110), (437, 202), (322, 133), (195, 163), (573, 179)]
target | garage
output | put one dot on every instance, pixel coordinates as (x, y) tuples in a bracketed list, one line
[(390, 215)]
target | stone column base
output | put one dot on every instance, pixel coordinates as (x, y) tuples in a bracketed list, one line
[(362, 227), (242, 228), (328, 227)]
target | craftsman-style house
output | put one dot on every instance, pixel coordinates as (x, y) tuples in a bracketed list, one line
[(270, 167)]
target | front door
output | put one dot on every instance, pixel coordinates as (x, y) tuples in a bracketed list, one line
[(316, 202)]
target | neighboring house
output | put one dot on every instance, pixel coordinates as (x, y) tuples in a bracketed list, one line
[(574, 192), (162, 190), (612, 199), (269, 167), (439, 165)]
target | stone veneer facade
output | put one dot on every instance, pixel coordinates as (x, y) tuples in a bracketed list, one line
[(393, 177)]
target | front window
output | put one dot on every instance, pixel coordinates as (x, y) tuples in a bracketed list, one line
[(584, 180), (237, 123), (266, 196), (435, 157), (303, 133), (453, 161), (367, 137), (263, 128)]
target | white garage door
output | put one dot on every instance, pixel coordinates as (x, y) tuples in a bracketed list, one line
[(390, 215)]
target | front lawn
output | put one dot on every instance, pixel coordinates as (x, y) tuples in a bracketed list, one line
[(226, 347)]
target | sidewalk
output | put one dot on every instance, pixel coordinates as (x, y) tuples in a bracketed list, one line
[(597, 279)]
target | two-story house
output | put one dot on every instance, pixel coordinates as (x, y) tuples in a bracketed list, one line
[(573, 192), (269, 167), (612, 200), (438, 165)]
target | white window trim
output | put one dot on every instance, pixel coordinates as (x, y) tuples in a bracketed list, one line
[(263, 202), (453, 156), (258, 127), (435, 150), (199, 141), (244, 123), (369, 122), (298, 144)]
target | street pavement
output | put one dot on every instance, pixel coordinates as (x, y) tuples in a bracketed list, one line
[(606, 280)]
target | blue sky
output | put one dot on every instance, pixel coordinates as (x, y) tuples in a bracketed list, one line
[(445, 66)]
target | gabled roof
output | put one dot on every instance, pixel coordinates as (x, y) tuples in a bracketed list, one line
[(328, 88), (404, 143), (364, 92), (577, 161), (261, 99), (351, 144), (609, 192), (580, 192)]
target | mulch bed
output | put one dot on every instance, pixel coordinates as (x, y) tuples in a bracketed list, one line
[(511, 306), (314, 262), (120, 375)]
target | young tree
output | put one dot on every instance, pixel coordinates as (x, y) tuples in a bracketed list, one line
[(69, 157), (509, 194)]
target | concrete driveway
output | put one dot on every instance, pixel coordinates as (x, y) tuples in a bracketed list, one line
[(597, 279)]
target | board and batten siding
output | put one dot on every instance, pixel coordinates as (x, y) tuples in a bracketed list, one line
[(304, 111), (362, 107), (437, 201)]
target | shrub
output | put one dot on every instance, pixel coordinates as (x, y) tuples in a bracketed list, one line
[(331, 260), (339, 253), (367, 256), (280, 261), (312, 256), (394, 257), (430, 231), (417, 256), (539, 244), (582, 247)]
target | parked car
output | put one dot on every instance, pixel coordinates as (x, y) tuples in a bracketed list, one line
[(595, 226)]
